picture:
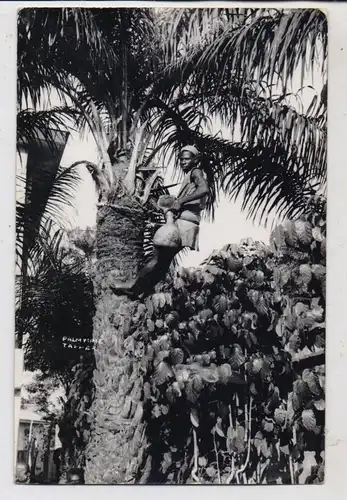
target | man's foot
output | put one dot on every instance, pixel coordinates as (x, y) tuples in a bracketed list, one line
[(123, 288)]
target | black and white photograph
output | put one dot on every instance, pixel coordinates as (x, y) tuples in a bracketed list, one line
[(171, 220)]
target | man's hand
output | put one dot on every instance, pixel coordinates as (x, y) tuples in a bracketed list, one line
[(176, 207)]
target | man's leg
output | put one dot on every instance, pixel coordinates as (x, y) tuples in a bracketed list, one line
[(154, 271)]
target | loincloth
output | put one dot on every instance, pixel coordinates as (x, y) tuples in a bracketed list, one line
[(189, 230)]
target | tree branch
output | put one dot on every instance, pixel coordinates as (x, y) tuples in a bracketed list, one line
[(302, 361)]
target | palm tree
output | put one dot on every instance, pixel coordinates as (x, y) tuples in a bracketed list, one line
[(138, 112), (112, 108)]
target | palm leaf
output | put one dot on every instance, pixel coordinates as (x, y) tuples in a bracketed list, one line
[(271, 44), (47, 198), (35, 128), (234, 79), (50, 41), (56, 302)]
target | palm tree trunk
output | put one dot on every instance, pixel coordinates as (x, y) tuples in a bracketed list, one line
[(117, 448)]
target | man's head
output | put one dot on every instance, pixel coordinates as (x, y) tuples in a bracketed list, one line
[(188, 157)]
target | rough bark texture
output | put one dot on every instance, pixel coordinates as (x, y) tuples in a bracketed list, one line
[(116, 452), (74, 427)]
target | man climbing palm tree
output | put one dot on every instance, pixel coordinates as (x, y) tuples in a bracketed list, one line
[(190, 202)]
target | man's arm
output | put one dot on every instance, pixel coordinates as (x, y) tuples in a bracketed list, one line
[(201, 188)]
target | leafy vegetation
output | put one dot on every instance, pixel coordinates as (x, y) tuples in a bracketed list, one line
[(57, 319), (235, 360)]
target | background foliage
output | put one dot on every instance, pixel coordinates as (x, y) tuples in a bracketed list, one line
[(56, 313), (235, 351)]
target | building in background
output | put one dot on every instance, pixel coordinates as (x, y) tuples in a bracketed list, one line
[(36, 443)]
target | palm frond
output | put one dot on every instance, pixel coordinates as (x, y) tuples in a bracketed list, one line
[(47, 249), (48, 194), (50, 41), (268, 44), (184, 31), (57, 303), (230, 76), (266, 183), (39, 128), (272, 122)]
